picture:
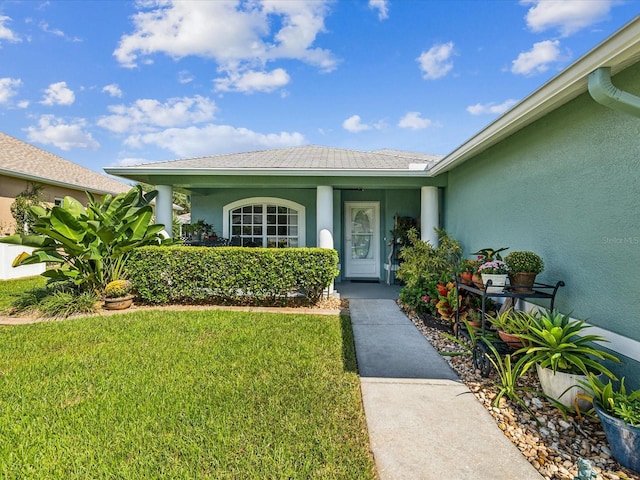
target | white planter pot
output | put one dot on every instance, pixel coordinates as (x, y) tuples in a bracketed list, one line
[(564, 387), (497, 282)]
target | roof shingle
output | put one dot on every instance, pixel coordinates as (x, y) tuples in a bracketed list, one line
[(22, 159)]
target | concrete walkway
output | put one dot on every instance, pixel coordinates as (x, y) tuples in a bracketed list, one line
[(423, 422)]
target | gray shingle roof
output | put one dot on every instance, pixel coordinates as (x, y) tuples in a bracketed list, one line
[(309, 157), (21, 159)]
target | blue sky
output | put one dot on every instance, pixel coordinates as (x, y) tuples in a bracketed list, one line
[(105, 83)]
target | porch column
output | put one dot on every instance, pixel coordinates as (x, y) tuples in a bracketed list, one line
[(164, 207), (429, 215), (324, 216)]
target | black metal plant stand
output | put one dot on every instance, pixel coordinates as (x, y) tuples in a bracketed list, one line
[(541, 291)]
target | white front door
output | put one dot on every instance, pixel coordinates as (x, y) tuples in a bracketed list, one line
[(362, 239)]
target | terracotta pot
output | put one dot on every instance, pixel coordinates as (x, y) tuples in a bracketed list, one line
[(511, 340), (119, 303), (523, 281), (466, 278), (477, 281)]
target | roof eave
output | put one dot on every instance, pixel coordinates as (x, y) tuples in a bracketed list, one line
[(618, 52), (49, 181), (267, 172)]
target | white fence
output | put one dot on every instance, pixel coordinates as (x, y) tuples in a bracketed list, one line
[(7, 254)]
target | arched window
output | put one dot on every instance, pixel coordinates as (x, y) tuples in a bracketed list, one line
[(265, 222)]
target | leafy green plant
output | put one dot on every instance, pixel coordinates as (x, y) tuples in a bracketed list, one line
[(489, 254), (559, 343), (423, 266), (508, 374), (524, 261), (66, 303), (21, 207), (511, 322), (91, 245), (616, 402)]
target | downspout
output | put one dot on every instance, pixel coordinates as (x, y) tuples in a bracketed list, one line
[(605, 93)]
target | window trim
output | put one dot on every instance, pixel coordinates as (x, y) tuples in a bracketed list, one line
[(279, 202)]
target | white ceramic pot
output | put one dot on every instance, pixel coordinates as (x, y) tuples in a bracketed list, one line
[(497, 282), (564, 387)]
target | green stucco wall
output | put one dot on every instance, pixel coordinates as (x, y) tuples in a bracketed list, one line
[(568, 188)]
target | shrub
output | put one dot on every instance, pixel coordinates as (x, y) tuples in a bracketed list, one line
[(59, 300), (180, 274), (424, 266), (118, 288)]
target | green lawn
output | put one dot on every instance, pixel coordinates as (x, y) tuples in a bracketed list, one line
[(11, 289), (182, 394)]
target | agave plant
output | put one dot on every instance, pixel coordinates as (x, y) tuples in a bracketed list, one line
[(557, 342), (90, 245)]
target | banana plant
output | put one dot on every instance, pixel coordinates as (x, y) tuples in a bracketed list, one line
[(90, 245)]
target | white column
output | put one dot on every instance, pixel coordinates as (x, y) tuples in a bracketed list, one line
[(324, 216), (429, 213), (164, 207)]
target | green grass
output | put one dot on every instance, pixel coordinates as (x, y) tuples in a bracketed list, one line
[(182, 394), (10, 290)]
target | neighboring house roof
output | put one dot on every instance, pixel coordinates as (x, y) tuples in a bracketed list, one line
[(22, 160), (619, 51)]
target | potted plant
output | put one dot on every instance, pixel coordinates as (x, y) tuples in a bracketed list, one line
[(467, 269), (496, 271), (523, 267), (117, 295), (619, 413), (563, 355), (510, 324), (474, 318)]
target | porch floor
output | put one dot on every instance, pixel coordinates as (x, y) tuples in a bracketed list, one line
[(354, 289)]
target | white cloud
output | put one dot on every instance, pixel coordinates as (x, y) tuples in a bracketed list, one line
[(5, 33), (237, 35), (54, 131), (382, 6), (147, 114), (491, 108), (414, 121), (250, 82), (8, 89), (113, 89), (44, 26), (537, 59), (58, 94), (567, 16), (184, 77), (354, 124), (435, 62), (215, 139)]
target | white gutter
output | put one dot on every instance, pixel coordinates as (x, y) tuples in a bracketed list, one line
[(618, 51), (267, 172)]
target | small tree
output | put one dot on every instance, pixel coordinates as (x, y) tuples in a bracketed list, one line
[(21, 207), (90, 245)]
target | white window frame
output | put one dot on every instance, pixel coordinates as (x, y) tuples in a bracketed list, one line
[(57, 201), (279, 202)]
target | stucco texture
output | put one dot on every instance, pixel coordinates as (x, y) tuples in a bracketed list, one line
[(566, 187)]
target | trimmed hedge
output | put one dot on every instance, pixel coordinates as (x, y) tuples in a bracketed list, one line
[(231, 275)]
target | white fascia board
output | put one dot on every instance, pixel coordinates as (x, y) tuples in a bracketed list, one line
[(269, 172), (618, 52)]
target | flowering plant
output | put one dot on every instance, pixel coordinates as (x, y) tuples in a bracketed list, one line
[(118, 288), (495, 267)]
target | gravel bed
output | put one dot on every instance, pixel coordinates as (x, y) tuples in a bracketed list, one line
[(553, 443)]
